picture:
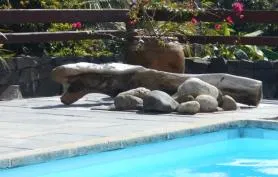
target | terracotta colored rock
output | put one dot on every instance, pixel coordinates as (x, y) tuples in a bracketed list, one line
[(151, 54)]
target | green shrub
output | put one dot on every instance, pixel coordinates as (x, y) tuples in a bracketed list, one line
[(93, 48)]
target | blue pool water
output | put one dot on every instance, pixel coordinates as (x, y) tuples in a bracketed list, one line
[(229, 153)]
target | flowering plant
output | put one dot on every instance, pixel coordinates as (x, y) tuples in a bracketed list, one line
[(76, 26), (141, 18), (142, 15), (226, 27)]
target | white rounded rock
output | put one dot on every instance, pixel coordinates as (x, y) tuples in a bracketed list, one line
[(229, 104), (190, 107), (207, 103), (140, 92), (196, 87)]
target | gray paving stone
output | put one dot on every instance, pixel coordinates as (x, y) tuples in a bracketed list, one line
[(44, 123), (4, 150), (37, 142), (63, 137)]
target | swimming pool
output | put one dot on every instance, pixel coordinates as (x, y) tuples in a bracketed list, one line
[(237, 152)]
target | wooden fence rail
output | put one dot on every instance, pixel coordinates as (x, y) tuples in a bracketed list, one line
[(19, 16), (37, 37), (269, 17), (233, 40)]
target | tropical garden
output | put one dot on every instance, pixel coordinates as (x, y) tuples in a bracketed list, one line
[(141, 19)]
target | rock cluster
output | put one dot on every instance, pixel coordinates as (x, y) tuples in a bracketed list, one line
[(193, 96), (114, 78)]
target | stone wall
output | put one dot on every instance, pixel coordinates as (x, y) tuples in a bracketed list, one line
[(260, 70), (33, 74)]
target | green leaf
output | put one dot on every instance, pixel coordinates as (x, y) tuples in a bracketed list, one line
[(270, 54), (226, 30)]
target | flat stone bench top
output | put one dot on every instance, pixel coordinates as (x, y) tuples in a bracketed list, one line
[(40, 124)]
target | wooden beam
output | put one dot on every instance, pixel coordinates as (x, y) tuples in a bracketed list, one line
[(233, 40), (18, 16), (250, 16), (38, 37)]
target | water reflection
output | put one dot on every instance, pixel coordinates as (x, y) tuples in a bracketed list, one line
[(265, 166), (188, 173)]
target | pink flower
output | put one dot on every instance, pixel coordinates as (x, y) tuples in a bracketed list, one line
[(194, 21), (77, 25), (217, 27), (238, 7), (132, 22), (230, 20), (73, 25)]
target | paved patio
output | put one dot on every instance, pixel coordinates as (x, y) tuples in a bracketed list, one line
[(37, 125)]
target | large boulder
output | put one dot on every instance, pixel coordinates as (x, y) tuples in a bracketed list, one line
[(190, 107), (140, 92), (158, 101), (220, 98), (229, 104), (196, 87), (207, 103), (127, 102)]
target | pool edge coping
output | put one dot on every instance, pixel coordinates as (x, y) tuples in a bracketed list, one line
[(42, 155)]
